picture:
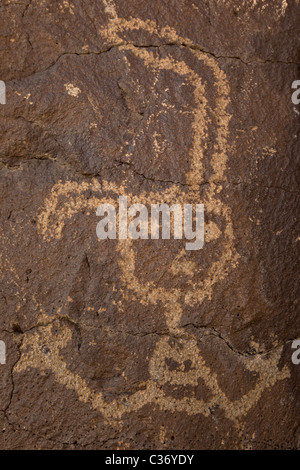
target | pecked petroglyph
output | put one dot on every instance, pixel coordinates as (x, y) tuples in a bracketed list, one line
[(66, 199), (267, 368)]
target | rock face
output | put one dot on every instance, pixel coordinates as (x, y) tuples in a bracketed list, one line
[(141, 344)]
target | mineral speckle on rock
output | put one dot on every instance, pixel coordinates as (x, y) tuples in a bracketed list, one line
[(142, 344)]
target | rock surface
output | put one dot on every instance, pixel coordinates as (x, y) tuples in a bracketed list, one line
[(121, 344)]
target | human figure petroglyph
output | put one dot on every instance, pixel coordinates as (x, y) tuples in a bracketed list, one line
[(149, 294)]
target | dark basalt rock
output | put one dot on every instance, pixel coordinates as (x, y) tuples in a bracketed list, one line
[(141, 344)]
